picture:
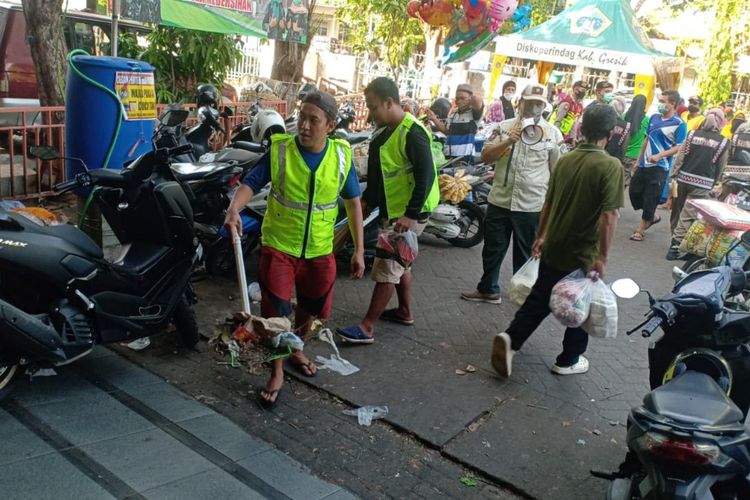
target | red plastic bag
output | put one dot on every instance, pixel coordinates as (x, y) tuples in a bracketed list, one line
[(570, 301), (402, 247)]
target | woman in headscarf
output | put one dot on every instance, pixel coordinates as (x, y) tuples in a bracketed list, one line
[(698, 168), (495, 113), (636, 117), (621, 133)]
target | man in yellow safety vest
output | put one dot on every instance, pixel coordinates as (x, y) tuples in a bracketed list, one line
[(402, 183), (308, 172)]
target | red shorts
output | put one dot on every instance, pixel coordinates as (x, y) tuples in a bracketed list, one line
[(279, 274)]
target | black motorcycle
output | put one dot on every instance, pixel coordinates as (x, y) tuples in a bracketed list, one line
[(59, 297), (688, 439), (209, 186)]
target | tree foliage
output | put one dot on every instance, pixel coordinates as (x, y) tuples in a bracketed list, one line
[(394, 33), (715, 82), (182, 59)]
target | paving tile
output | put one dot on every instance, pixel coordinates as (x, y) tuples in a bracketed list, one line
[(93, 417), (147, 459), (287, 475), (48, 477), (209, 485), (119, 372), (19, 443), (169, 401), (224, 436)]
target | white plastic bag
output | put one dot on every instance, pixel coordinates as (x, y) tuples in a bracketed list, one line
[(602, 320), (522, 282), (570, 301)]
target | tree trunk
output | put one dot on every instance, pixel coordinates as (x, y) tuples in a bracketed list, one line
[(431, 72), (289, 60), (44, 30)]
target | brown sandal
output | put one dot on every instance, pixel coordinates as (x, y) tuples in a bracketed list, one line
[(637, 236)]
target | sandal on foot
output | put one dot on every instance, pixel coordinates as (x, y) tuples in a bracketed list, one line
[(310, 366), (656, 220), (637, 236), (268, 404), (392, 316)]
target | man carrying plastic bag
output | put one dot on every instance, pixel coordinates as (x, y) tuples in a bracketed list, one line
[(578, 223)]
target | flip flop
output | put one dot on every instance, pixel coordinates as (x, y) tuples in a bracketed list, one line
[(300, 368), (392, 316), (269, 404), (637, 236), (654, 222), (354, 335)]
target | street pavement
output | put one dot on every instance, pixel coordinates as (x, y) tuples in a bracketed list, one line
[(104, 428), (536, 434), (450, 432)]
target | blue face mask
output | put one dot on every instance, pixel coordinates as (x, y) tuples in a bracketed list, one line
[(608, 97), (662, 108)]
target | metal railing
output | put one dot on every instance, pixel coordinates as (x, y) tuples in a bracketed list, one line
[(23, 177)]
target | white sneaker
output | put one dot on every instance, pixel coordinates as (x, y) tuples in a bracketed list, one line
[(139, 344), (502, 354), (582, 366)]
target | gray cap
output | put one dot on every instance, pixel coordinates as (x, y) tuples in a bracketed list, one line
[(324, 101), (465, 87)]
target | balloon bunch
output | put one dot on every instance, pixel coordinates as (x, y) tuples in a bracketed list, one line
[(522, 17), (473, 23)]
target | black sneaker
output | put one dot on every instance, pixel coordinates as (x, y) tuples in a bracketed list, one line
[(674, 253)]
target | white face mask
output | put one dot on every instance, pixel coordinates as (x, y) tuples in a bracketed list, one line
[(509, 96)]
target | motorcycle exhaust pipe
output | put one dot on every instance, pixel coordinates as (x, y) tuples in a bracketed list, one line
[(241, 278)]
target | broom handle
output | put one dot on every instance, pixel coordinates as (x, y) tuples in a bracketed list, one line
[(241, 279)]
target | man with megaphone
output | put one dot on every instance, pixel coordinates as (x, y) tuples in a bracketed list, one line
[(524, 149)]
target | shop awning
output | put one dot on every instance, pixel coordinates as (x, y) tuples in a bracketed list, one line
[(196, 16), (595, 33)]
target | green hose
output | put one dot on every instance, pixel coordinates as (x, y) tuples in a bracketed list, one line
[(117, 129)]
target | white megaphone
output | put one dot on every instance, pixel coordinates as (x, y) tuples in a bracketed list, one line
[(531, 133)]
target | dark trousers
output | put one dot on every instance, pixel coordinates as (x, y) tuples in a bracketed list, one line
[(646, 188), (500, 224), (536, 309)]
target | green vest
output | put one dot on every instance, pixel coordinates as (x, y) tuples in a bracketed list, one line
[(302, 206), (398, 172)]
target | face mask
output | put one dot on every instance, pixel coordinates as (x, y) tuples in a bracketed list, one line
[(662, 108), (693, 109), (580, 94), (608, 97), (533, 109), (508, 96)]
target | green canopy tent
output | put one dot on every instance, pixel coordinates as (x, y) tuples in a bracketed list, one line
[(595, 33), (202, 17)]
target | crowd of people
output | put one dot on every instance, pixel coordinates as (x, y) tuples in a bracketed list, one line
[(555, 198)]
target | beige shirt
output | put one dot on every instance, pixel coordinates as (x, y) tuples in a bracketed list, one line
[(523, 186)]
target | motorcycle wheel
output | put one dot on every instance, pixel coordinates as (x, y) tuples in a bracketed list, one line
[(220, 258), (186, 324), (7, 372), (473, 233), (695, 264)]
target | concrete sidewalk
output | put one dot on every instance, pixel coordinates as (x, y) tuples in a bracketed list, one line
[(105, 428)]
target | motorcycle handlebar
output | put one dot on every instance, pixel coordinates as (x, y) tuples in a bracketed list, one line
[(651, 326), (65, 186)]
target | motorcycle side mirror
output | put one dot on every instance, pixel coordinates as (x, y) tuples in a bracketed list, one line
[(746, 237), (625, 288), (44, 152)]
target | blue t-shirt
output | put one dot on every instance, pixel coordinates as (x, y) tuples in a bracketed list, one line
[(261, 174), (662, 135)]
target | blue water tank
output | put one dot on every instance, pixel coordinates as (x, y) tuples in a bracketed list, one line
[(91, 113)]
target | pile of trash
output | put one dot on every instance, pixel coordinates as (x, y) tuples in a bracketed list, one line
[(250, 341)]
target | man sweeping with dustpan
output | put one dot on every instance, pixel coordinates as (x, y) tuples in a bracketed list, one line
[(307, 173)]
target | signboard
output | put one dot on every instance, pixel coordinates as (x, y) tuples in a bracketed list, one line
[(513, 46), (589, 21), (137, 94), (287, 20), (144, 11), (238, 5)]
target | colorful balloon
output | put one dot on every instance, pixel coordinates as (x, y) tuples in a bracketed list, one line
[(433, 12), (500, 10), (412, 8)]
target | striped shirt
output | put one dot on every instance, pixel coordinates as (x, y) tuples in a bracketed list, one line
[(462, 128)]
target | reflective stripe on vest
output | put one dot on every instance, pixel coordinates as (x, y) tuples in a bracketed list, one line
[(302, 204)]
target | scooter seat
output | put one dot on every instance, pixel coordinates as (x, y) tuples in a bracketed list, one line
[(238, 154), (693, 398), (66, 232), (197, 171)]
